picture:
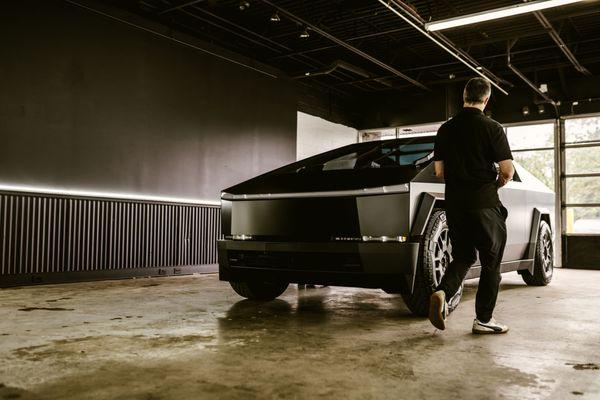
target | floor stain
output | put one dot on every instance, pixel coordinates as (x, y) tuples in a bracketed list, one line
[(55, 300), (586, 366), (27, 309), (577, 393), (9, 393)]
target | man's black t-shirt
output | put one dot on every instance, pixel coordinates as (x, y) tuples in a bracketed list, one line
[(469, 144)]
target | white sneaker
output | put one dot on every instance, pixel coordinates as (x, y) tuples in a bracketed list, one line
[(438, 309), (492, 326)]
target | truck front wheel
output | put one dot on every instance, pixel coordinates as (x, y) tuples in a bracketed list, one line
[(256, 290), (435, 256)]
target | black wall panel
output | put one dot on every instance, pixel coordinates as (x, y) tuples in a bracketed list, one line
[(46, 238), (89, 103), (581, 251)]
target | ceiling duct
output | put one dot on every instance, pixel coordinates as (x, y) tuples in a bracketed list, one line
[(340, 64), (560, 43), (344, 44), (526, 80), (411, 17)]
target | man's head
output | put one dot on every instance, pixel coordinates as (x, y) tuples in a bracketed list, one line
[(477, 92)]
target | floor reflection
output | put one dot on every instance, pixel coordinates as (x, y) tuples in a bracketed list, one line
[(326, 310)]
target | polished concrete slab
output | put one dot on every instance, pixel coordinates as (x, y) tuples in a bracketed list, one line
[(194, 338)]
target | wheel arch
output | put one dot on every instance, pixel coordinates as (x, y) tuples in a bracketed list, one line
[(428, 202), (539, 215)]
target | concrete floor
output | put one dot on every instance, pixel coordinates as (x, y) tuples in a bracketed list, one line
[(194, 338)]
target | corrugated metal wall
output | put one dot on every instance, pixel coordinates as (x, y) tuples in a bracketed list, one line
[(42, 234)]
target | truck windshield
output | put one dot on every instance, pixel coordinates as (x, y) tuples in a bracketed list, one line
[(385, 154)]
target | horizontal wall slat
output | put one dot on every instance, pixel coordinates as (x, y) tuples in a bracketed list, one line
[(51, 234)]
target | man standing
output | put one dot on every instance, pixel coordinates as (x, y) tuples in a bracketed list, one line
[(466, 148)]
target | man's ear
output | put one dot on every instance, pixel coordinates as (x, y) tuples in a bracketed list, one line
[(485, 101)]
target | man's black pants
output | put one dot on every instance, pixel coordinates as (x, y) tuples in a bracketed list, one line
[(483, 230)]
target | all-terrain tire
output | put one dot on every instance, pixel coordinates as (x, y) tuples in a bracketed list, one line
[(543, 263), (434, 244), (256, 290)]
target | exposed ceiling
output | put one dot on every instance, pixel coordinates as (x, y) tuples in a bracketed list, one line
[(392, 55)]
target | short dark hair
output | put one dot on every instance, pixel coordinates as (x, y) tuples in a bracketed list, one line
[(476, 90)]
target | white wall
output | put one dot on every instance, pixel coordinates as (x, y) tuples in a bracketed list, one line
[(316, 135)]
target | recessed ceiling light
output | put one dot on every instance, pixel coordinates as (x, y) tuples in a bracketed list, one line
[(496, 13), (304, 34), (244, 5), (275, 17), (525, 111)]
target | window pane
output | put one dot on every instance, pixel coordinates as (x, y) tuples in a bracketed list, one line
[(539, 163), (582, 129), (582, 160), (583, 220), (530, 136), (583, 190)]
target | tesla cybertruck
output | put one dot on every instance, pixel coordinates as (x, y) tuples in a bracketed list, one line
[(367, 215)]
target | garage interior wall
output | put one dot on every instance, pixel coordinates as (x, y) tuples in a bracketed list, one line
[(92, 104), (316, 135)]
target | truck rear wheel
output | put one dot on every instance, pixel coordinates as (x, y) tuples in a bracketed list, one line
[(435, 256), (256, 290), (543, 264)]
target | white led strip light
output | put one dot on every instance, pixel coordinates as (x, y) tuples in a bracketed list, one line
[(104, 195), (497, 13)]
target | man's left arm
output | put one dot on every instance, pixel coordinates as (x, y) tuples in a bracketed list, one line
[(507, 171), (438, 153), (502, 155), (439, 169)]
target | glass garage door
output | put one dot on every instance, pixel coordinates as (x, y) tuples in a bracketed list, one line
[(580, 191), (581, 178), (532, 146)]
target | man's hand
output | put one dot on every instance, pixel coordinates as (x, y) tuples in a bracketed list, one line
[(439, 169), (501, 181), (506, 173)]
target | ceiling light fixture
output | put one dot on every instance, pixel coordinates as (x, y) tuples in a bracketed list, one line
[(525, 111), (275, 17), (304, 34), (497, 13), (244, 5), (541, 109)]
